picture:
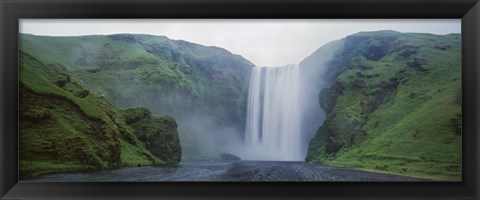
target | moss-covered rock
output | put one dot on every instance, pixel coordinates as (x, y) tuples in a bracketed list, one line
[(158, 133), (65, 128), (392, 105), (136, 114), (168, 77), (67, 135)]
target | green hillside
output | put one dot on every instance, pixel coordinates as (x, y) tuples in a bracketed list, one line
[(65, 127), (393, 105), (392, 102), (192, 83)]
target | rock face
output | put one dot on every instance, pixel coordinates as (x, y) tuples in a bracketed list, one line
[(55, 129), (317, 71), (392, 104), (190, 82), (158, 133)]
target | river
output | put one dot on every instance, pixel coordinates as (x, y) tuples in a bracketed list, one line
[(227, 171)]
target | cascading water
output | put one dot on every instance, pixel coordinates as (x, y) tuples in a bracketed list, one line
[(273, 115)]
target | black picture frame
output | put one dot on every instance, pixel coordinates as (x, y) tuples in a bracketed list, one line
[(13, 10)]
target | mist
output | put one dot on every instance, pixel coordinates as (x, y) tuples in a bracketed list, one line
[(316, 74), (203, 135), (205, 138), (294, 114), (284, 110)]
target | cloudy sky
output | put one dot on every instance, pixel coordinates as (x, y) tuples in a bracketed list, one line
[(264, 42)]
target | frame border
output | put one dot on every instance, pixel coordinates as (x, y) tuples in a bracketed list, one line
[(12, 10)]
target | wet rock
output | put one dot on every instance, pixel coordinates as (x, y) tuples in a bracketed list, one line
[(228, 156)]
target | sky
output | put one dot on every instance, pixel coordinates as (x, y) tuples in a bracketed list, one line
[(265, 42)]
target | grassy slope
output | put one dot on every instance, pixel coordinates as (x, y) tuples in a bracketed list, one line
[(393, 117), (64, 128), (171, 77)]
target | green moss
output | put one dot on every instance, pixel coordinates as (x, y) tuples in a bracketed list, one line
[(56, 136), (30, 169), (159, 134), (134, 156), (66, 128), (166, 76), (395, 114)]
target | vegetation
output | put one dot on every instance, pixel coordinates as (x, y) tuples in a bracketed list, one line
[(392, 102), (169, 77), (66, 128), (393, 105)]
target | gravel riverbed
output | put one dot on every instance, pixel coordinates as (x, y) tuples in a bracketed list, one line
[(228, 171)]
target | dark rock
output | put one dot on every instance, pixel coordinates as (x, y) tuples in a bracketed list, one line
[(413, 95), (356, 138), (357, 83), (228, 156), (392, 83), (328, 96), (62, 80), (379, 99), (407, 50), (361, 75), (186, 69), (384, 90), (418, 64), (133, 115), (333, 148), (82, 93), (376, 52)]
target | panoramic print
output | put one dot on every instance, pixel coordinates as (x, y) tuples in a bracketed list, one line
[(240, 100)]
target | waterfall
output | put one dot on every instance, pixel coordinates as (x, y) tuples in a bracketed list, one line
[(273, 115)]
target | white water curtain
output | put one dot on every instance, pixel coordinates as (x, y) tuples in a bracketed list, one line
[(273, 115)]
